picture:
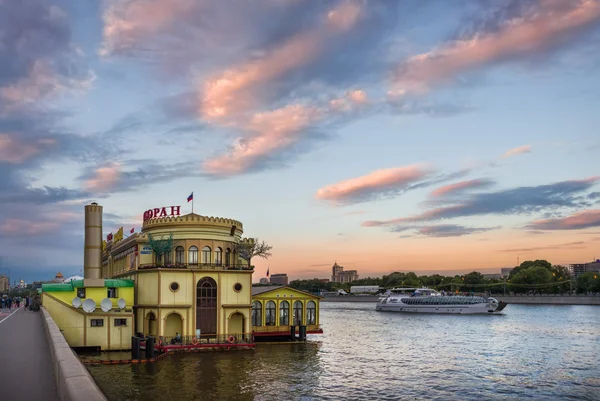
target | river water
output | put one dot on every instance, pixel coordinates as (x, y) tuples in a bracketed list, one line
[(536, 352)]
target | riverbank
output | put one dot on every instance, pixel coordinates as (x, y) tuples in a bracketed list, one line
[(510, 299)]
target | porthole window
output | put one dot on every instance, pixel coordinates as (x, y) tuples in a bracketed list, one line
[(237, 287), (174, 286)]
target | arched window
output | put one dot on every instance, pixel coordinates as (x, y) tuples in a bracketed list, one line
[(298, 313), (284, 313), (193, 255), (227, 257), (179, 255), (206, 255), (218, 256), (256, 313), (270, 314), (168, 257), (311, 312)]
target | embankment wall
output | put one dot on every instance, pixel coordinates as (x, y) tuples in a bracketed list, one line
[(511, 299), (73, 381)]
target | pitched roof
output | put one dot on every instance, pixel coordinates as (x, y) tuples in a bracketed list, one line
[(262, 290)]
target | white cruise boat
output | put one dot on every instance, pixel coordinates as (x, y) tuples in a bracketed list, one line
[(425, 300)]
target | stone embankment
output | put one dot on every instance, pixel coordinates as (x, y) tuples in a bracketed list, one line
[(550, 299), (73, 380), (511, 299)]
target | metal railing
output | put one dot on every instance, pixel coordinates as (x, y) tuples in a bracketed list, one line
[(207, 266), (283, 329), (216, 339)]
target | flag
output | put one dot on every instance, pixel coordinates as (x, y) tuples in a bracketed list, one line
[(191, 197), (132, 230), (267, 272)]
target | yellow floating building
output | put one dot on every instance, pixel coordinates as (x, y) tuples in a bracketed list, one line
[(181, 280)]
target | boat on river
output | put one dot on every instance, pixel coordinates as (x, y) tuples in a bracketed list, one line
[(426, 300)]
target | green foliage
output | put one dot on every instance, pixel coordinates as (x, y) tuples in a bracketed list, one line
[(588, 282), (161, 246), (530, 263)]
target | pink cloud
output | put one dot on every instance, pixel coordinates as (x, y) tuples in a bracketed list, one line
[(42, 81), (577, 221), (16, 152), (517, 151), (232, 91), (104, 179), (274, 130), (460, 186), (375, 182), (127, 22), (25, 227), (550, 25)]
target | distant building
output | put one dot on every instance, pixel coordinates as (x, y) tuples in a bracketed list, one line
[(263, 280), (338, 275), (4, 284), (59, 278), (578, 269), (279, 279), (505, 271), (22, 284), (492, 275)]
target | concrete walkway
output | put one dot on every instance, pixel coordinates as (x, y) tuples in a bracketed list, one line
[(25, 365)]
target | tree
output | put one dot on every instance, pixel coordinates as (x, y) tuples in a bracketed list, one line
[(161, 246), (530, 263), (251, 247)]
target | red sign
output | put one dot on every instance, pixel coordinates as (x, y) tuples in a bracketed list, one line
[(165, 211)]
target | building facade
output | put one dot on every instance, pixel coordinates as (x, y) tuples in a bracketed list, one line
[(198, 286), (275, 310), (338, 275), (578, 269), (4, 284), (280, 279)]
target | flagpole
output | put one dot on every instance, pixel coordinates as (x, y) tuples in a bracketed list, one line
[(192, 203)]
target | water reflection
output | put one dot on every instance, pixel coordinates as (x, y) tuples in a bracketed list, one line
[(540, 352)]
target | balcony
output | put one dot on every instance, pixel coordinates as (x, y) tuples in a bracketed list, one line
[(196, 266), (284, 330)]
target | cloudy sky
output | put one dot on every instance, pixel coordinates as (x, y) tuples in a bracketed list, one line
[(384, 135)]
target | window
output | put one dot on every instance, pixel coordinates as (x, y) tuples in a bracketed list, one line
[(97, 322), (158, 258), (218, 256), (227, 257), (284, 313), (168, 257), (237, 287), (112, 292), (179, 255), (174, 286), (256, 313), (81, 292), (193, 255), (270, 314), (298, 313), (120, 322), (206, 255), (311, 312)]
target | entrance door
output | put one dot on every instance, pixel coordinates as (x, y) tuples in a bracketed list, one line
[(206, 306)]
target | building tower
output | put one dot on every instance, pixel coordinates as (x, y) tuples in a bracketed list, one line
[(92, 252)]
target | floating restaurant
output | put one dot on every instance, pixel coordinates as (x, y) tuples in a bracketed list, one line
[(184, 280)]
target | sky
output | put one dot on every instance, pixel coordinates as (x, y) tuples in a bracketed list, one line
[(439, 136)]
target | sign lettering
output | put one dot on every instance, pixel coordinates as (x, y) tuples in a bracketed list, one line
[(165, 211)]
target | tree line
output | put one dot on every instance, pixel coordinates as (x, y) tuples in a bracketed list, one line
[(532, 276)]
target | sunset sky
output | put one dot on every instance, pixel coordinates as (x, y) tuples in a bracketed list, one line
[(428, 136)]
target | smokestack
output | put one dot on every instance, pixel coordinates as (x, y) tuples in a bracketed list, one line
[(92, 253)]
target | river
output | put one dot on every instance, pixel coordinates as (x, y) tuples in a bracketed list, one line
[(539, 352)]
